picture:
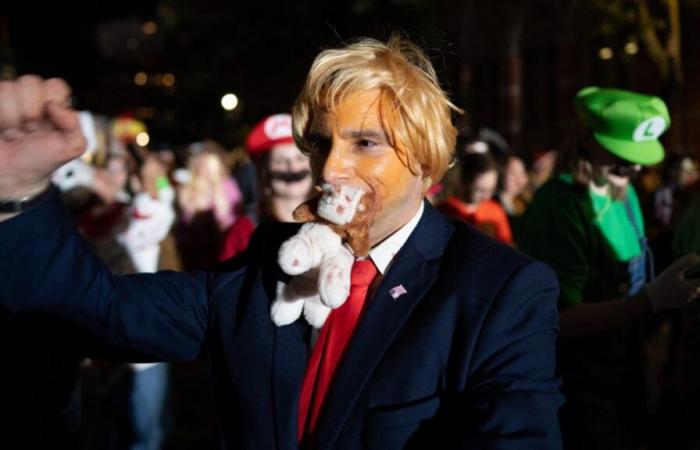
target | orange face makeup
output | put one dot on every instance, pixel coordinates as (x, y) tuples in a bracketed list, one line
[(351, 147)]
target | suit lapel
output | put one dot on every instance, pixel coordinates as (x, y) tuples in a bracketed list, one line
[(415, 268)]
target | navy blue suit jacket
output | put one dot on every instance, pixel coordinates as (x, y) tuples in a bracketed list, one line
[(464, 360)]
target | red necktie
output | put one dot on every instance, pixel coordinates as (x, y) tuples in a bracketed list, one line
[(330, 346)]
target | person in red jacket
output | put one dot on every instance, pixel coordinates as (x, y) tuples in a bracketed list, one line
[(474, 202)]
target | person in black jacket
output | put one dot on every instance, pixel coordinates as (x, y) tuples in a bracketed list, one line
[(447, 341)]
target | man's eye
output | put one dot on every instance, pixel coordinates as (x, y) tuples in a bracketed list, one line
[(366, 143)]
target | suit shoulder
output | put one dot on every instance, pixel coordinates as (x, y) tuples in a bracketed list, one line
[(277, 230), (268, 237), (473, 260), (478, 270), (262, 251), (469, 246)]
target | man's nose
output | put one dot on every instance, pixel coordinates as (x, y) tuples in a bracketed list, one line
[(336, 168)]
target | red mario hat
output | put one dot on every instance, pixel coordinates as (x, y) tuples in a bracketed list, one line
[(272, 130)]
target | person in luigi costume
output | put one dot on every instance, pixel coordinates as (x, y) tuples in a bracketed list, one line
[(586, 223)]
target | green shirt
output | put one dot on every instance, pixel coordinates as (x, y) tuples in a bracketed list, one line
[(584, 237), (612, 218)]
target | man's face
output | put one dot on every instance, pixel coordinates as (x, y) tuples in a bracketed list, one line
[(515, 177), (117, 173), (609, 169), (290, 174), (111, 179), (482, 188), (351, 148)]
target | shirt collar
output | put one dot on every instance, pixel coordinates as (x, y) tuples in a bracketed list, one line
[(383, 253)]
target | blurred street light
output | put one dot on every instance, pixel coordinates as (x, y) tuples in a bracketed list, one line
[(631, 48), (229, 102), (605, 53), (168, 80), (140, 79), (142, 139), (149, 27)]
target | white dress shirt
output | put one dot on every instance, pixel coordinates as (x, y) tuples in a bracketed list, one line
[(383, 253)]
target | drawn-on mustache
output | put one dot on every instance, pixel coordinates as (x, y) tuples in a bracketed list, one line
[(625, 170), (290, 177)]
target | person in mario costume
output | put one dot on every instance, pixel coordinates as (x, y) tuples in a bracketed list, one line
[(446, 338), (285, 173), (284, 178)]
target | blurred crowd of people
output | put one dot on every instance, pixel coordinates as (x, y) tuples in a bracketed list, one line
[(595, 212)]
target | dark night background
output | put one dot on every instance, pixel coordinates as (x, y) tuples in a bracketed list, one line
[(513, 65)]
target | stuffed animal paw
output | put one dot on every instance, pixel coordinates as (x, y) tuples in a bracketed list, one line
[(339, 215), (334, 277), (290, 299), (304, 250)]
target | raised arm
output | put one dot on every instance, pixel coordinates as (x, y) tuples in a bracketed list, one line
[(45, 265)]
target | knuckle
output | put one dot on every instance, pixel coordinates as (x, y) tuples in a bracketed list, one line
[(6, 88), (29, 79), (57, 87)]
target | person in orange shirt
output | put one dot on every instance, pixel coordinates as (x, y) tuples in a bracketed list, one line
[(474, 201)]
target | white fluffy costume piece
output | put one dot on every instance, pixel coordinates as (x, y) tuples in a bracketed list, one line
[(317, 257), (74, 174), (150, 221)]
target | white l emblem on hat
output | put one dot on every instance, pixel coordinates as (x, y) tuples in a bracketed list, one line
[(650, 129)]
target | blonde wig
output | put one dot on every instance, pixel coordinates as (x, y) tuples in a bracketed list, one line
[(423, 134)]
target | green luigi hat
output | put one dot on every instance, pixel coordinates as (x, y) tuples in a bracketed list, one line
[(625, 123)]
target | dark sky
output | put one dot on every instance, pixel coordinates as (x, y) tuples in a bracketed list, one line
[(54, 38), (259, 49)]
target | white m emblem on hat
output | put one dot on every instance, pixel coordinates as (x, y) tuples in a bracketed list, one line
[(278, 126), (650, 129)]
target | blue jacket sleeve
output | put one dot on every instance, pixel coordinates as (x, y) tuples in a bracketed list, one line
[(514, 394), (46, 266)]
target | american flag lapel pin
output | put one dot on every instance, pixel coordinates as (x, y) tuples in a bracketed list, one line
[(397, 291)]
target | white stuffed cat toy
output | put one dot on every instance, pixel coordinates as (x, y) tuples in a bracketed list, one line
[(320, 256)]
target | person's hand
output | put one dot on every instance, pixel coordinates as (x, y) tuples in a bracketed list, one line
[(670, 290), (39, 132)]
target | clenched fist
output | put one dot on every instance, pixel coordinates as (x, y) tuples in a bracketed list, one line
[(39, 132)]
